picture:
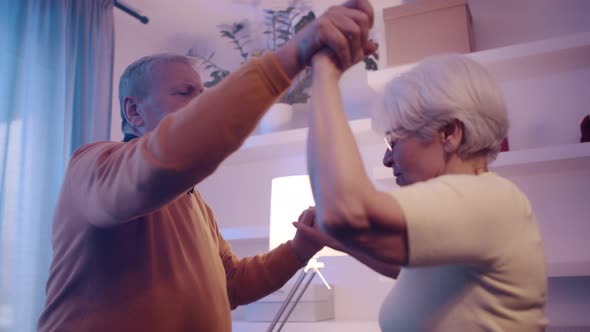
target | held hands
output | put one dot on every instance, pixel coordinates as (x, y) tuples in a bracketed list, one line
[(324, 65), (303, 246), (343, 30), (386, 268), (309, 239), (310, 236)]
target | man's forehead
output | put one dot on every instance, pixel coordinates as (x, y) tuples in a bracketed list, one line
[(174, 73)]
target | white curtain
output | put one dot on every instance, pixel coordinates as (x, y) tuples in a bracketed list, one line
[(56, 64)]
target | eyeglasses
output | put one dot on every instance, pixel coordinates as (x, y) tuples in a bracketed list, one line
[(389, 141), (392, 136)]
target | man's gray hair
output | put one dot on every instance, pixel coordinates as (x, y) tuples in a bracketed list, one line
[(439, 90), (134, 78)]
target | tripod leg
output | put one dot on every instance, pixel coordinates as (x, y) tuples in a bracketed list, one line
[(297, 299), (286, 302), (323, 279)]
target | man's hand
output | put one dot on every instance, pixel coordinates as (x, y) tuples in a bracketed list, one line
[(342, 29), (311, 232), (307, 243)]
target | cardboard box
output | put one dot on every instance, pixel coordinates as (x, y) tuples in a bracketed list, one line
[(316, 304), (423, 28)]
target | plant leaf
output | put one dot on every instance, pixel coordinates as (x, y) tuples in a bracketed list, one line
[(227, 34), (370, 64), (238, 27), (224, 26), (305, 20)]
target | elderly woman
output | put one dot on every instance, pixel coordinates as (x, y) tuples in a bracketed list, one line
[(467, 237)]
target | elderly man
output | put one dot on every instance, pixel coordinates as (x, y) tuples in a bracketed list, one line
[(135, 247)]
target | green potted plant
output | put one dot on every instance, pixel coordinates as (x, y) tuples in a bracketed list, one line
[(280, 26)]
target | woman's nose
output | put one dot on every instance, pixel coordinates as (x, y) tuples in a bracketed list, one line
[(388, 158)]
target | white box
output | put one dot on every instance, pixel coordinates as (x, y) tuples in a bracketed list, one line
[(316, 304)]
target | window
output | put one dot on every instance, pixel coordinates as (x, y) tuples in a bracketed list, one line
[(10, 174)]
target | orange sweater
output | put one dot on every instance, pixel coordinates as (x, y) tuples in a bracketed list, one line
[(161, 264)]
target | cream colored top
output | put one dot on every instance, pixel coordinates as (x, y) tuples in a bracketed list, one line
[(476, 259)]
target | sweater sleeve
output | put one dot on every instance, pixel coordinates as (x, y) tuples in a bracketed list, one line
[(252, 278), (116, 182)]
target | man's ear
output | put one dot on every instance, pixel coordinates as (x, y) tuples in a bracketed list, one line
[(131, 111), (452, 136)]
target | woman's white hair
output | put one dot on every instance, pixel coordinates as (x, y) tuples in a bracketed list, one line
[(133, 81), (439, 90)]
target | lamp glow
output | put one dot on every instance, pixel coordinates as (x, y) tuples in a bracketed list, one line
[(290, 195)]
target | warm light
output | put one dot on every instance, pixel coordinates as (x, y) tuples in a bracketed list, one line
[(289, 197)]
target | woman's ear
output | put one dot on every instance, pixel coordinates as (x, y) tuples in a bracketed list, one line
[(131, 111), (452, 136)]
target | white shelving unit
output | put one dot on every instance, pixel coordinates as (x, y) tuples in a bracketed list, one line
[(507, 63)]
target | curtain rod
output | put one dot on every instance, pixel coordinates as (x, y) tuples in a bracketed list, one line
[(134, 13)]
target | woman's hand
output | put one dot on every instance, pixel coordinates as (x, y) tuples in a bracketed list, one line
[(325, 65)]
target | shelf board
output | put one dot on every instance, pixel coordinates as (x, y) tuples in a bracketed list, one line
[(542, 155), (520, 61), (323, 326), (517, 162), (568, 269), (291, 142), (245, 233), (565, 156)]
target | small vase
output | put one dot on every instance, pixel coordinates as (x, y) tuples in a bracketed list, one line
[(585, 129), (504, 147)]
